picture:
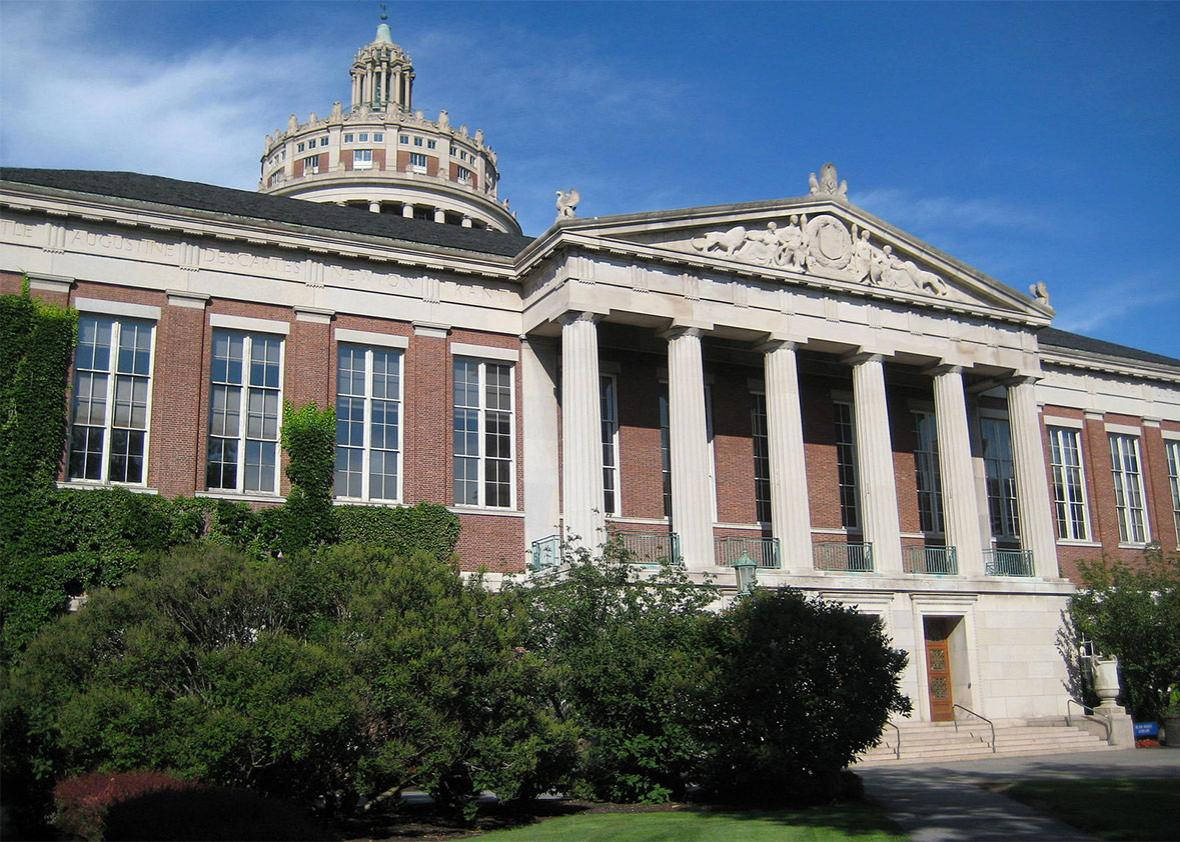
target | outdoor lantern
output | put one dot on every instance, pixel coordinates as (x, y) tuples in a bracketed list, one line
[(747, 574)]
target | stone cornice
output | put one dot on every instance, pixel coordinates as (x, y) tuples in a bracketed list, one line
[(1120, 366)]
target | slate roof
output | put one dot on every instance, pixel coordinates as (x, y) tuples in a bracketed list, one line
[(1052, 337), (252, 205)]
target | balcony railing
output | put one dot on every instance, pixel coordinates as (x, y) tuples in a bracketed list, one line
[(1008, 562), (935, 561), (848, 558), (652, 548), (764, 551), (546, 553)]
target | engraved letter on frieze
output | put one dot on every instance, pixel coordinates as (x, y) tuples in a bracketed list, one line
[(55, 238)]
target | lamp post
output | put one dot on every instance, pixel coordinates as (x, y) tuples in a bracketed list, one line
[(747, 574)]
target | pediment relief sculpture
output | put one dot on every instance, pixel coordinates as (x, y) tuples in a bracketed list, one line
[(824, 246)]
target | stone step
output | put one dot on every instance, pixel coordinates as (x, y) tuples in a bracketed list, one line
[(924, 738), (907, 759)]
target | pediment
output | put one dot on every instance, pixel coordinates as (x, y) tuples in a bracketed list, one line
[(817, 241)]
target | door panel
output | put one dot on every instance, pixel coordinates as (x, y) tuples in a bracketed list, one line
[(938, 678)]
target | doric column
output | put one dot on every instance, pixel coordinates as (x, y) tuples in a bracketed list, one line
[(539, 378), (408, 210), (874, 457), (789, 512), (692, 510), (581, 431), (960, 506), (1032, 490), (375, 207), (440, 215)]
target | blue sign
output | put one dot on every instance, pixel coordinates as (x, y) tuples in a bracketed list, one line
[(1147, 730)]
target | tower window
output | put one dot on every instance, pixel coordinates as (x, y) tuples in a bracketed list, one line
[(404, 138), (430, 144), (417, 141), (363, 137), (300, 147), (362, 159), (323, 141), (463, 175), (311, 164), (418, 162), (378, 137)]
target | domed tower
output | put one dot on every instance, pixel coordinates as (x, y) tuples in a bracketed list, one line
[(382, 155)]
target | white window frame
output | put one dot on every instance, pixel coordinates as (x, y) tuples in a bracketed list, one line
[(481, 432), (418, 167), (609, 386), (462, 175), (309, 167), (1127, 490), (243, 414), (112, 374), (362, 159), (367, 446), (1062, 482), (1172, 454)]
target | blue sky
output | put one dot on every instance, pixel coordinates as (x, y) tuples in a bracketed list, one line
[(1035, 142)]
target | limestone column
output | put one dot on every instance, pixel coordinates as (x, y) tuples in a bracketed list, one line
[(581, 431), (408, 211), (375, 207), (692, 510), (960, 506), (874, 457), (440, 215), (1032, 488), (789, 511), (542, 494)]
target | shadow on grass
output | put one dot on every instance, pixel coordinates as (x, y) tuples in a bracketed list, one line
[(1111, 808)]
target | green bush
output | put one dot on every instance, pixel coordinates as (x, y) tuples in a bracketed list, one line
[(629, 649), (309, 437), (425, 527), (1133, 614), (314, 676), (36, 341), (795, 689)]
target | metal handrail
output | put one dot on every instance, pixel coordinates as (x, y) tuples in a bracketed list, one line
[(1086, 711), (981, 716), (896, 751)]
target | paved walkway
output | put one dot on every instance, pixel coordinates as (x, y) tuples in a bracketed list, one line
[(946, 801)]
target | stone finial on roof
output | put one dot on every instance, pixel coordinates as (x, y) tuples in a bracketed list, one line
[(567, 203), (827, 184)]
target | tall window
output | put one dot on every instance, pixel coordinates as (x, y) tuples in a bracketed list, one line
[(1128, 489), (1000, 475), (417, 162), (846, 466), (368, 423), (483, 432), (463, 175), (1172, 449), (929, 482), (1069, 484), (246, 390), (611, 505), (311, 164), (665, 450), (362, 159), (109, 418), (761, 457)]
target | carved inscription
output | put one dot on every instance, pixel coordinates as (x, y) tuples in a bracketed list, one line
[(12, 228), (118, 244)]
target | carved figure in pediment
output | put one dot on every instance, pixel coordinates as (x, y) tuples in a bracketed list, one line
[(792, 244), (728, 241), (862, 254), (905, 274), (829, 245)]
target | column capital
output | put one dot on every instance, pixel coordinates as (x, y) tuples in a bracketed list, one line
[(571, 316), (1023, 379), (678, 330), (774, 343), (856, 357), (943, 368)]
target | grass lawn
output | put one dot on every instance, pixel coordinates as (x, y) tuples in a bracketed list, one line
[(1109, 808), (851, 821)]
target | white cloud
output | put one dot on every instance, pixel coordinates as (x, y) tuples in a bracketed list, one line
[(1110, 302), (72, 100), (904, 208)]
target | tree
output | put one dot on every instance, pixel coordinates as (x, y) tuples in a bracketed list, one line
[(797, 688), (1133, 613)]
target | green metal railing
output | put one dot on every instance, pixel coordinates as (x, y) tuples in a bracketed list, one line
[(652, 548), (850, 558), (936, 561), (1008, 563), (764, 551), (546, 553)]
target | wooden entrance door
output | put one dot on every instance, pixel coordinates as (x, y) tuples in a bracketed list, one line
[(938, 671)]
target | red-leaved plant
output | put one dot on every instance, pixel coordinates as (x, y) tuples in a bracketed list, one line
[(82, 801)]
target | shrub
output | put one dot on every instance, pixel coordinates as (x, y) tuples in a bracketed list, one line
[(795, 689), (1133, 614), (149, 805), (309, 437), (425, 527), (81, 803), (629, 648)]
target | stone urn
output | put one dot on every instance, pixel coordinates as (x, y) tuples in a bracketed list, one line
[(1106, 681)]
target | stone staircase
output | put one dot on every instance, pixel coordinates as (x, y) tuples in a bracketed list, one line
[(939, 742)]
